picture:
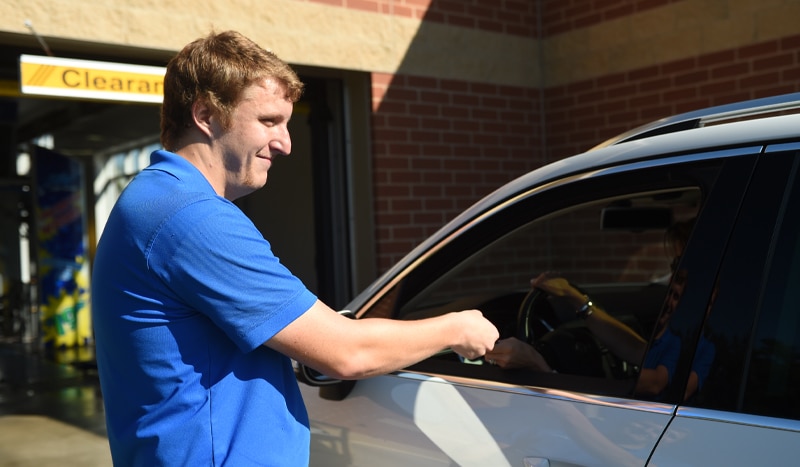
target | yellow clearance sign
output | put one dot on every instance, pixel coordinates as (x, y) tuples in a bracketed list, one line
[(62, 77)]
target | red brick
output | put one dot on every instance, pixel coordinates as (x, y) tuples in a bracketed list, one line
[(404, 178), (790, 43), (755, 50), (775, 90), (425, 163), (437, 97), (716, 88), (494, 103), (425, 137), (483, 88), (621, 91), (436, 150), (425, 110), (791, 75), (678, 66), (453, 86), (467, 100), (365, 5), (654, 84), (680, 94), (422, 82), (776, 61), (619, 12), (725, 56), (691, 78), (436, 124), (492, 26), (763, 79), (407, 204), (732, 70), (643, 73)]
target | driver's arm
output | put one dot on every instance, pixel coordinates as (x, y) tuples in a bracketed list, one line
[(620, 339), (652, 380), (345, 348)]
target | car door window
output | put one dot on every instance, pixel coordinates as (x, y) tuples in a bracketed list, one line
[(605, 235), (773, 377), (752, 334)]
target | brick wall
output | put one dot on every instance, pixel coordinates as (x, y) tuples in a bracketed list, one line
[(566, 15), (582, 114), (438, 146), (515, 17)]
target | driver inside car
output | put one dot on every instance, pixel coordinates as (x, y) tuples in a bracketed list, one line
[(657, 364)]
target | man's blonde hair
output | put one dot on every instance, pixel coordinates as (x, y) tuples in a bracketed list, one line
[(216, 69)]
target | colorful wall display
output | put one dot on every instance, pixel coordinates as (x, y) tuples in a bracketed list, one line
[(63, 269)]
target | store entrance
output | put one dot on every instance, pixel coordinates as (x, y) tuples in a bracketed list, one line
[(302, 211)]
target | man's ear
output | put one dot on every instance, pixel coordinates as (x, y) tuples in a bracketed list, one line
[(202, 116)]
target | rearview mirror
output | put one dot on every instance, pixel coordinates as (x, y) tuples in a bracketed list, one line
[(635, 219)]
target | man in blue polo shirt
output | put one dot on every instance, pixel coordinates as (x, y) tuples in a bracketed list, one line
[(195, 319)]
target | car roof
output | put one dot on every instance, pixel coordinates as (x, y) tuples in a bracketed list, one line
[(740, 125)]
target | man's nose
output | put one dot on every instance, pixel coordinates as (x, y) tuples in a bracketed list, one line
[(281, 141)]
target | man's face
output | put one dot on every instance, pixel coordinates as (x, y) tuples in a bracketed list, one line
[(258, 132)]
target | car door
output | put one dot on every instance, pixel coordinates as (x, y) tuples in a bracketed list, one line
[(746, 411), (603, 230)]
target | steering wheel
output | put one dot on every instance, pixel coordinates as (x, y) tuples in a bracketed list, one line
[(536, 317), (567, 345)]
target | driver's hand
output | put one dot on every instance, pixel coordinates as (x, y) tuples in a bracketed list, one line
[(558, 287), (513, 353)]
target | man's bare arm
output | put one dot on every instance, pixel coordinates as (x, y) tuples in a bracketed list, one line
[(344, 348)]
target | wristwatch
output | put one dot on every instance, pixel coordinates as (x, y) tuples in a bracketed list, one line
[(586, 310)]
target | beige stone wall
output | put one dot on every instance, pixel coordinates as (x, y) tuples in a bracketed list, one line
[(299, 32), (309, 33), (680, 30)]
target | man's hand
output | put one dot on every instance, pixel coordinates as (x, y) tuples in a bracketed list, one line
[(478, 334)]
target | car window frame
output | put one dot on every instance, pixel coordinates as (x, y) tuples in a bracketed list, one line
[(709, 166)]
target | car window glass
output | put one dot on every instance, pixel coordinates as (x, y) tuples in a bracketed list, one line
[(624, 267), (605, 236), (773, 376), (611, 249), (740, 364)]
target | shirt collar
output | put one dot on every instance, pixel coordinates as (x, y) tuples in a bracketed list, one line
[(178, 167)]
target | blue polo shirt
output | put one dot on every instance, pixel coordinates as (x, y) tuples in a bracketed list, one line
[(666, 351), (185, 290)]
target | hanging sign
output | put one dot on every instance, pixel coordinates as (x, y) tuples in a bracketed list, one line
[(86, 79)]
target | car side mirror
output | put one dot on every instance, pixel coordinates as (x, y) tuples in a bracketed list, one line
[(329, 388)]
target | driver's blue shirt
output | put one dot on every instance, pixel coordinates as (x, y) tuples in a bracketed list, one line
[(185, 290), (665, 351)]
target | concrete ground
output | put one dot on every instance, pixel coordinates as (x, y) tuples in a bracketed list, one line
[(51, 409)]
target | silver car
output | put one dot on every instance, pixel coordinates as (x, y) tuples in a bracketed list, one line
[(598, 220)]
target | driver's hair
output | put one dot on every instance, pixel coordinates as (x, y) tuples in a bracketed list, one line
[(677, 236)]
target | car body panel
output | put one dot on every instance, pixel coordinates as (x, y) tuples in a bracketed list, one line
[(405, 418), (708, 437)]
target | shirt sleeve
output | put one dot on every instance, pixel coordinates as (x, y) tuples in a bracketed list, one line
[(704, 358), (217, 262)]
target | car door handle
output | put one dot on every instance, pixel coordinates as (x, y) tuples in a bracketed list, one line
[(535, 462)]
